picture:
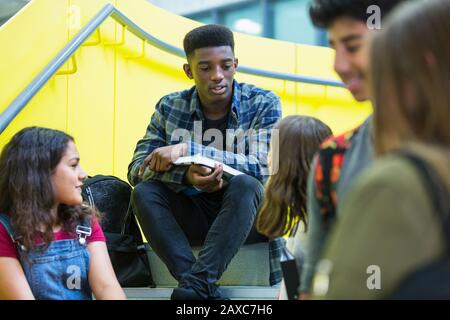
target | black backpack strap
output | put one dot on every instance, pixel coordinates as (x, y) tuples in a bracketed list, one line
[(90, 197), (131, 226), (5, 220), (127, 220), (437, 192)]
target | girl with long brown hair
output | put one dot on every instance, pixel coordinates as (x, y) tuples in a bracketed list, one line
[(51, 244), (295, 140)]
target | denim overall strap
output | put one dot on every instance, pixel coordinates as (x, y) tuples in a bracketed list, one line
[(83, 230), (61, 271)]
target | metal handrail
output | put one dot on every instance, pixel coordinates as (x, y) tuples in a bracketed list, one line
[(110, 11)]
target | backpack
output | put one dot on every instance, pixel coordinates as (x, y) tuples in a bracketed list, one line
[(111, 196), (290, 272), (331, 158), (433, 280)]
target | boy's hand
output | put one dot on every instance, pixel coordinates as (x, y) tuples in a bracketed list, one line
[(204, 178), (161, 159)]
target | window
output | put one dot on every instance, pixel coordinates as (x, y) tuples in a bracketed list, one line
[(291, 22), (286, 20), (246, 19)]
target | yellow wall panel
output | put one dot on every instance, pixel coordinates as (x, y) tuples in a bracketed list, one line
[(91, 107), (91, 92), (343, 117), (140, 82), (259, 53), (29, 43), (50, 103)]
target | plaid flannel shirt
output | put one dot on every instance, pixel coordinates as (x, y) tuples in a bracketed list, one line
[(178, 117), (253, 113)]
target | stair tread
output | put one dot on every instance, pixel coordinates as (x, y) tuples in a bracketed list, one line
[(233, 292)]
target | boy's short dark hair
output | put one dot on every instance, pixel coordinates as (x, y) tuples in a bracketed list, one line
[(324, 12), (210, 35)]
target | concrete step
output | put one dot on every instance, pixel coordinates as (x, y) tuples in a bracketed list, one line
[(233, 292), (249, 267)]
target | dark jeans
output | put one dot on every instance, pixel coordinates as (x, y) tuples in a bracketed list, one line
[(221, 222)]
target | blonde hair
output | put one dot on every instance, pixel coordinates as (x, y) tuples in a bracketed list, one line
[(410, 76)]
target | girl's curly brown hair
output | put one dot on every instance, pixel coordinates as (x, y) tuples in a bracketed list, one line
[(27, 163)]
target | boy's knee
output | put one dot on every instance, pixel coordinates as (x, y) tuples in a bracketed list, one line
[(144, 191), (245, 186), (246, 183)]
